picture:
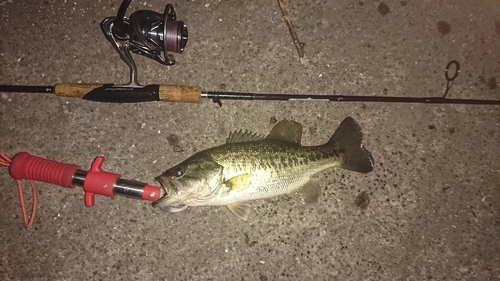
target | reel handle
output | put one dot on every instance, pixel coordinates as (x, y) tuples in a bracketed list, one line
[(25, 166), (127, 94)]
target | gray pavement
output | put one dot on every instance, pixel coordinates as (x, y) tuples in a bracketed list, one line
[(429, 210)]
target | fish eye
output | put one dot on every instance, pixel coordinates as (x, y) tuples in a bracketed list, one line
[(179, 171)]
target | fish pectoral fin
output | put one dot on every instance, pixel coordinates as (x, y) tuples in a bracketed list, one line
[(240, 182), (307, 193), (240, 209)]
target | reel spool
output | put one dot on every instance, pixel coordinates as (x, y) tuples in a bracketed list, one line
[(146, 33)]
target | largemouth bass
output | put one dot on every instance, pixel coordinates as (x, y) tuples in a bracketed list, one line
[(250, 167)]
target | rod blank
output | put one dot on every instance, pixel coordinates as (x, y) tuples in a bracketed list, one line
[(218, 96)]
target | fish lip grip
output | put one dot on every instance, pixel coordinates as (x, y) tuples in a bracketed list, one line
[(95, 181)]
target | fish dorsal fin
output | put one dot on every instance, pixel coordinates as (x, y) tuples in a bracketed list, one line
[(240, 136), (286, 130), (307, 193), (240, 209), (240, 182)]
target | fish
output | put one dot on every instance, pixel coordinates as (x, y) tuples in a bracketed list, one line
[(250, 167)]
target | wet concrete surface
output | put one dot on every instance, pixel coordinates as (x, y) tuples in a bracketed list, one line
[(428, 211)]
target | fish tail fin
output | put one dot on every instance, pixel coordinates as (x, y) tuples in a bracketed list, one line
[(347, 139)]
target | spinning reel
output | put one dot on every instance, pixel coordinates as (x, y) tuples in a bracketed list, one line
[(146, 33)]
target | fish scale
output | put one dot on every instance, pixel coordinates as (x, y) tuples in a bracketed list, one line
[(278, 166)]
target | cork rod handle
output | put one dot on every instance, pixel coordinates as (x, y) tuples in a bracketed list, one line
[(75, 90), (176, 93)]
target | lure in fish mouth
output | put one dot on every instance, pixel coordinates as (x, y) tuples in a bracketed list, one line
[(250, 167)]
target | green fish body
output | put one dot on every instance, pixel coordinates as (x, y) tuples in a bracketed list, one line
[(250, 167)]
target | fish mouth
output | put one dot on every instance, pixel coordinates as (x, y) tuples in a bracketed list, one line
[(169, 188), (165, 186)]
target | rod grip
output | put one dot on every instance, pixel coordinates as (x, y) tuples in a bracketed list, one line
[(25, 166), (75, 90), (176, 93)]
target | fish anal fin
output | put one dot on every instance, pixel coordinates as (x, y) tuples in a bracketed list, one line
[(240, 182), (307, 193), (286, 130), (240, 209)]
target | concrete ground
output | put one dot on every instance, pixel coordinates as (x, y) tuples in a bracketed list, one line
[(428, 211)]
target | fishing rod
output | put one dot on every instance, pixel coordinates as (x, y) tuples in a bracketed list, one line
[(193, 94), (154, 35)]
